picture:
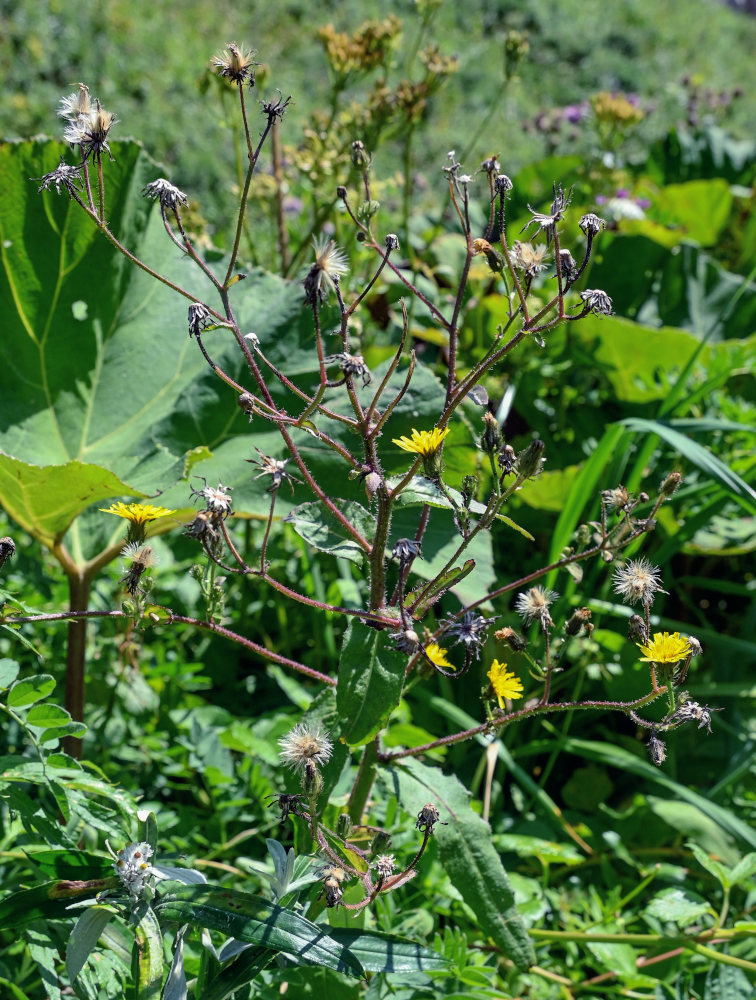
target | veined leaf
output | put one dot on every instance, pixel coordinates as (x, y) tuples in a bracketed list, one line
[(371, 677), (252, 919), (467, 853)]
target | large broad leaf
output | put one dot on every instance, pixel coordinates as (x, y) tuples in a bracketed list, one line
[(97, 372), (371, 676), (50, 900), (321, 529), (256, 921), (468, 855)]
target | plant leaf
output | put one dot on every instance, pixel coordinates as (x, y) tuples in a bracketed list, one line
[(84, 937), (371, 677), (252, 919), (467, 853)]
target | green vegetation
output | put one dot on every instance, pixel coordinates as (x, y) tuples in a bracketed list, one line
[(445, 689)]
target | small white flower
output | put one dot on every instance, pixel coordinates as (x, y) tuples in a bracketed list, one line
[(132, 867), (306, 745), (637, 581), (534, 604)]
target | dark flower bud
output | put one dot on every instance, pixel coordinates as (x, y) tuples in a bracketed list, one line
[(380, 843), (392, 242), (637, 629), (507, 459), (406, 549), (427, 818), (657, 750), (591, 224), (502, 185), (580, 619), (341, 192), (7, 549), (247, 403)]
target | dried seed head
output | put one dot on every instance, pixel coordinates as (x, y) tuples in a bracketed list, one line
[(64, 176), (166, 193), (406, 640), (591, 224), (236, 64), (305, 746), (392, 242), (427, 818), (471, 631), (579, 621), (617, 499), (597, 302), (638, 580), (530, 259), (325, 274), (657, 750), (533, 605), (384, 866)]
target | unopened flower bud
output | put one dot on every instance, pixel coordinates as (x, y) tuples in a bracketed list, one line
[(341, 192), (247, 403), (380, 842), (580, 619), (513, 639), (637, 629), (530, 460), (670, 485), (360, 156), (490, 439), (507, 459), (469, 489), (312, 780)]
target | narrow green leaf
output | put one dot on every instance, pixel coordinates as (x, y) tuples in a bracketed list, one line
[(606, 753), (147, 957), (324, 532), (371, 677), (706, 460), (175, 985), (252, 919), (244, 969), (437, 588), (70, 863), (467, 853), (84, 937), (49, 900), (385, 953), (29, 690), (422, 491)]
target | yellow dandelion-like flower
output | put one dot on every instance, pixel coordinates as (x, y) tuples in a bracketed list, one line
[(504, 683), (425, 443), (437, 656), (138, 513), (665, 648)]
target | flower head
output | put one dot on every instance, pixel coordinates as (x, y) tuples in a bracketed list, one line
[(305, 746), (504, 683), (273, 467), (90, 131), (324, 275), (530, 259), (236, 64), (132, 867), (597, 302), (64, 176), (384, 865), (664, 648), (166, 193), (424, 443), (75, 105), (437, 656), (217, 499), (548, 221), (637, 581), (534, 604), (470, 630), (137, 513)]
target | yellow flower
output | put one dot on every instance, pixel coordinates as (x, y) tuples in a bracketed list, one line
[(425, 443), (138, 513), (665, 648), (505, 684), (437, 656)]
